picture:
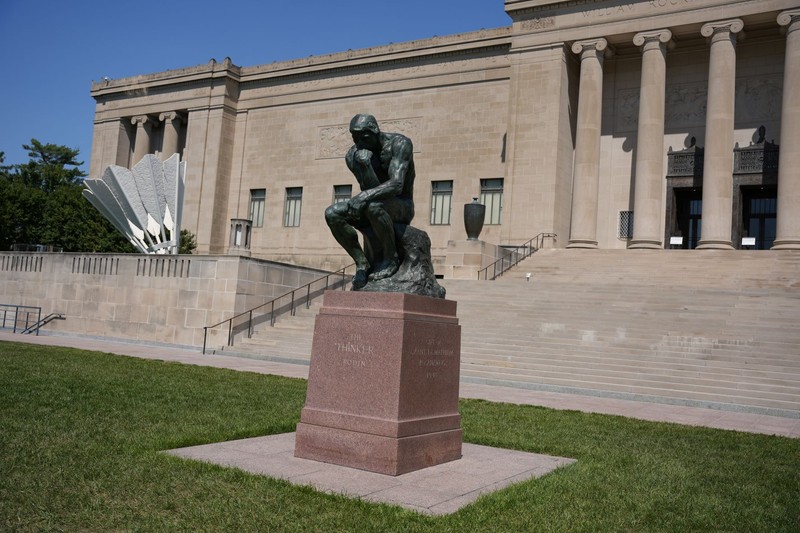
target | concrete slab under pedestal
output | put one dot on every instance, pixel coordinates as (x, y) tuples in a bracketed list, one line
[(437, 490)]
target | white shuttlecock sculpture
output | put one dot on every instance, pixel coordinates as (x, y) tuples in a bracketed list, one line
[(143, 203)]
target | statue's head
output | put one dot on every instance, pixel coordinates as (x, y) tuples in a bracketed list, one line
[(365, 131)]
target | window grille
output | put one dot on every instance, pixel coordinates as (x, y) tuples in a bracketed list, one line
[(291, 213), (342, 193), (257, 197), (441, 202), (625, 230), (492, 198)]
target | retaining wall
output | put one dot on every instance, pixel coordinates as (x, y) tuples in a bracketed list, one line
[(165, 299)]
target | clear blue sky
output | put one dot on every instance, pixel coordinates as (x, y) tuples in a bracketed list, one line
[(53, 49)]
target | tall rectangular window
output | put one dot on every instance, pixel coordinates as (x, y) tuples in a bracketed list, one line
[(291, 212), (342, 193), (257, 197), (441, 202), (492, 198)]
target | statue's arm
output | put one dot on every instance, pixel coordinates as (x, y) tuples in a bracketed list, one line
[(402, 153)]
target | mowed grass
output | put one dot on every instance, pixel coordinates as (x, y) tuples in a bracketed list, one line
[(81, 435)]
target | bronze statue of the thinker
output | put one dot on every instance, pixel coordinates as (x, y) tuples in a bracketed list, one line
[(383, 165)]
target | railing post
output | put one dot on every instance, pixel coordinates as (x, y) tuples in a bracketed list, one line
[(272, 315), (250, 326), (308, 296), (205, 335), (230, 332), (38, 322), (291, 309)]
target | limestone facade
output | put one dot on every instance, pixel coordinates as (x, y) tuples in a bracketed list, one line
[(165, 299), (583, 108)]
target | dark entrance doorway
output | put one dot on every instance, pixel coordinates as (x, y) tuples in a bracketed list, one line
[(759, 209), (688, 215)]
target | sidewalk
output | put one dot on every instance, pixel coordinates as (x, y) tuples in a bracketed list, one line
[(694, 416)]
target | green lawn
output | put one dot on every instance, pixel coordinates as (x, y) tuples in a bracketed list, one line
[(80, 435)]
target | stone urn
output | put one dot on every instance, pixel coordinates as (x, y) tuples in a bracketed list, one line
[(474, 214)]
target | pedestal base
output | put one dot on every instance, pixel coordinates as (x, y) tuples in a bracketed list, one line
[(375, 453), (464, 259), (383, 383)]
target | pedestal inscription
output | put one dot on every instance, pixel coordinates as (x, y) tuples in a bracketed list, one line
[(383, 383)]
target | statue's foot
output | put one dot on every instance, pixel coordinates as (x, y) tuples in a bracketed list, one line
[(385, 269), (360, 279)]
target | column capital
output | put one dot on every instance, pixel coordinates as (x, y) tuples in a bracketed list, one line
[(142, 119), (591, 45), (658, 37), (170, 116), (722, 29), (789, 18)]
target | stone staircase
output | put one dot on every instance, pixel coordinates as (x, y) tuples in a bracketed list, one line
[(714, 328)]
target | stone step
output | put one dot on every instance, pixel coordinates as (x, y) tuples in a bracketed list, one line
[(784, 362), (691, 388), (761, 375), (633, 387), (701, 327)]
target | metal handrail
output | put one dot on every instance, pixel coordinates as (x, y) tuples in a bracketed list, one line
[(514, 258), (339, 281), (16, 312), (43, 322)]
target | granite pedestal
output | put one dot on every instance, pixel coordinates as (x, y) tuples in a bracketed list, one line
[(383, 383)]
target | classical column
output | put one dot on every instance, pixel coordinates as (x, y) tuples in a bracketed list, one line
[(717, 217), (788, 223), (172, 128), (141, 146), (647, 205), (586, 169)]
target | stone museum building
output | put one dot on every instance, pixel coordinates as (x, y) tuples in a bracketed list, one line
[(612, 123)]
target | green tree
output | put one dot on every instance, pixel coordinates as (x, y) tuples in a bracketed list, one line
[(50, 166), (41, 202), (188, 243)]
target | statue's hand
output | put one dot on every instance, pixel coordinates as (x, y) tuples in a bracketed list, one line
[(357, 204), (363, 157)]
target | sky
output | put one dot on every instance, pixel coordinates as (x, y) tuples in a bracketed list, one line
[(52, 50)]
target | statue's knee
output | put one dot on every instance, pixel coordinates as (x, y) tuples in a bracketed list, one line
[(331, 213)]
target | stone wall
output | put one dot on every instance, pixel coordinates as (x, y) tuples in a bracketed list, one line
[(165, 299)]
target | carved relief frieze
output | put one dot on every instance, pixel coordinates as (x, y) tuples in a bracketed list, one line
[(685, 107), (627, 110), (538, 23), (334, 141), (758, 99)]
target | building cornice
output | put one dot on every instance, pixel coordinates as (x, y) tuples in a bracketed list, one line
[(392, 54)]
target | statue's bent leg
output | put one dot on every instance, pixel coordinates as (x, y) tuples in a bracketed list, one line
[(383, 227), (347, 237)]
